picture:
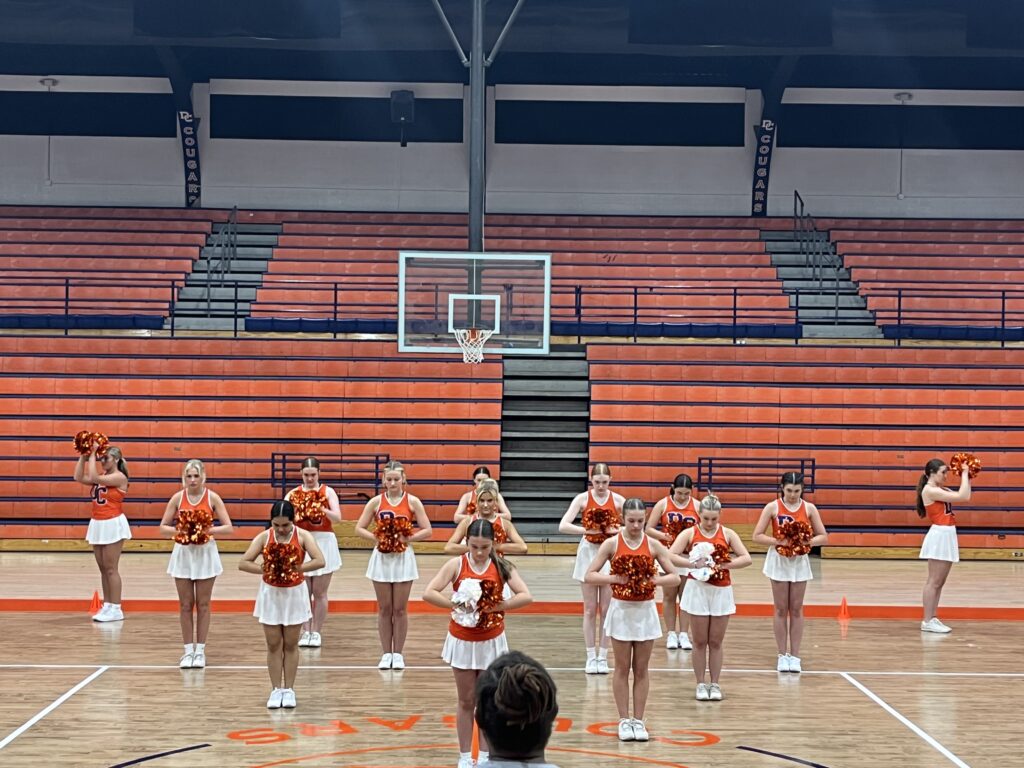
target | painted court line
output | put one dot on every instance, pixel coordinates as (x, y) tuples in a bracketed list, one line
[(445, 668), (919, 731), (44, 712)]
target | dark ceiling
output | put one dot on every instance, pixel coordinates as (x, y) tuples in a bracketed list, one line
[(976, 44)]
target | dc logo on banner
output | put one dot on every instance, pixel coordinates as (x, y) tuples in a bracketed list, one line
[(762, 167), (188, 124)]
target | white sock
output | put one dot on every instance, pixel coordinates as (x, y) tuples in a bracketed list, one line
[(602, 653), (591, 653), (465, 754), (189, 648), (483, 756), (200, 647)]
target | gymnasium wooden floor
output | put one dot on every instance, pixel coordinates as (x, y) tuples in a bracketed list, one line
[(875, 691)]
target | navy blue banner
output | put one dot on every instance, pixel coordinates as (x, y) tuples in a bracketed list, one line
[(762, 167), (188, 124)]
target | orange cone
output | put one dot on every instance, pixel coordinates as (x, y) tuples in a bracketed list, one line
[(844, 611), (474, 748), (95, 604)]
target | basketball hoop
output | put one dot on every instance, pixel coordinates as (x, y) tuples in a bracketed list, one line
[(471, 341)]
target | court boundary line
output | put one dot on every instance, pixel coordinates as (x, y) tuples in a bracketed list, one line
[(52, 706), (446, 668), (923, 734)]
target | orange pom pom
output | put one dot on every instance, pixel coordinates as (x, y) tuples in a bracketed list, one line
[(799, 534), (599, 519), (192, 525), (490, 596), (963, 459), (500, 534), (639, 572), (82, 442), (308, 505), (720, 555), (391, 533), (281, 563)]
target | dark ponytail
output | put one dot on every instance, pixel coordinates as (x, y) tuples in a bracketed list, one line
[(485, 530), (930, 469), (681, 481), (516, 705)]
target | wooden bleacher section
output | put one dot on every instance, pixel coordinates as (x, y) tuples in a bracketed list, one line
[(684, 271), (942, 279), (57, 261), (869, 417), (231, 403)]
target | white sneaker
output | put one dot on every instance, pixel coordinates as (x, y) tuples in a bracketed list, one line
[(591, 668), (783, 665), (684, 642), (397, 661), (672, 641), (274, 702), (465, 762), (199, 660), (640, 731), (794, 664), (288, 698), (602, 666), (113, 614), (315, 641), (626, 730), (101, 613), (714, 692), (385, 661), (703, 694), (185, 662), (932, 625), (304, 639)]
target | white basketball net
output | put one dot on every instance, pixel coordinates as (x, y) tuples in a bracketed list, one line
[(471, 341)]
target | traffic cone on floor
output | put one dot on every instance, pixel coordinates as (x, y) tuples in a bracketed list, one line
[(844, 611), (95, 604)]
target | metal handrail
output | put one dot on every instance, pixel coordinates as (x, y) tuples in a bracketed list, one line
[(816, 250), (225, 250)]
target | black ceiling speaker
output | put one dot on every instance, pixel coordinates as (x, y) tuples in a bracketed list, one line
[(403, 111)]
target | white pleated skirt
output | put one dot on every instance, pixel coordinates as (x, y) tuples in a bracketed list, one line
[(468, 654), (108, 531), (779, 568), (585, 554), (632, 620), (940, 544), (702, 599), (284, 606), (328, 544), (392, 567), (195, 561)]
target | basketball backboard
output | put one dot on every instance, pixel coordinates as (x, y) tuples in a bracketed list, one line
[(506, 293)]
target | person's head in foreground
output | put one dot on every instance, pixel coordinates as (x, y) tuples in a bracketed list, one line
[(516, 706)]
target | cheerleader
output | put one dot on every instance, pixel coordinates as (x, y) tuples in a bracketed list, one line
[(466, 508), (195, 562), (789, 575), (470, 650), (599, 497), (108, 527), (282, 604), (674, 513), (632, 620), (507, 540), (940, 547), (516, 707), (323, 531), (393, 573), (709, 603)]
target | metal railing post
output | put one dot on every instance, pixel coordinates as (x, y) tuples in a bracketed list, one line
[(735, 313), (1002, 318), (636, 311), (335, 326), (899, 317), (67, 306)]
